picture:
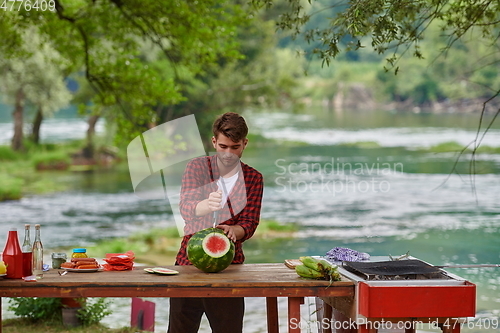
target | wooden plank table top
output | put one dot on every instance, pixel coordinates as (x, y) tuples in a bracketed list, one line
[(247, 280)]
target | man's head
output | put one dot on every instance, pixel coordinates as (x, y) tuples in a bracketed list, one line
[(231, 125), (230, 136)]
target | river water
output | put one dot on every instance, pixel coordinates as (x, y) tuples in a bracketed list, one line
[(362, 180)]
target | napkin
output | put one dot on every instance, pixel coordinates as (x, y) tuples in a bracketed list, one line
[(119, 261)]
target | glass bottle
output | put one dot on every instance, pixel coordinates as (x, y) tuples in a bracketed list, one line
[(13, 257), (37, 254), (27, 252)]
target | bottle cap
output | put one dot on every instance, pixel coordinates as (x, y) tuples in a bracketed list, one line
[(79, 250)]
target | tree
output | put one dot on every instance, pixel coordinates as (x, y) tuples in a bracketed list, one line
[(35, 76), (265, 76), (104, 40)]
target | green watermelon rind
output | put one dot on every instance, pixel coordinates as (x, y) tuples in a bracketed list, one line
[(201, 260)]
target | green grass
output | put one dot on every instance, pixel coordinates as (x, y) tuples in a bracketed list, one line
[(21, 325), (159, 246), (18, 170), (51, 160), (11, 188), (455, 147), (7, 154), (361, 144)]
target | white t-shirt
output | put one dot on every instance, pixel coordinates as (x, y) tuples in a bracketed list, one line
[(228, 186)]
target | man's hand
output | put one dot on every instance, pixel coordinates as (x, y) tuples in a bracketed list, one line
[(233, 232), (212, 204), (214, 201)]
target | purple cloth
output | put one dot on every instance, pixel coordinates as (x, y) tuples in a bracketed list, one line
[(346, 254)]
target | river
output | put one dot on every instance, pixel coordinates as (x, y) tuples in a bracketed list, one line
[(364, 180)]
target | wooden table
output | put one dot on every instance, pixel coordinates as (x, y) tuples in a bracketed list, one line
[(248, 280)]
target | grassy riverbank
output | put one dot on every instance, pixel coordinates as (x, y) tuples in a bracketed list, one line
[(35, 170), (19, 173), (158, 247)]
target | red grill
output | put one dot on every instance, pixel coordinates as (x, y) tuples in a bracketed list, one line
[(409, 288)]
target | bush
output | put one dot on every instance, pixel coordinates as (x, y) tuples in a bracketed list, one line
[(43, 309), (93, 312), (11, 187), (56, 160), (7, 154), (37, 308)]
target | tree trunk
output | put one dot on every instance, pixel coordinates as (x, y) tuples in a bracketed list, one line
[(37, 123), (88, 151), (17, 115)]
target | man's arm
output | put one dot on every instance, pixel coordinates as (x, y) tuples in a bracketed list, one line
[(209, 205)]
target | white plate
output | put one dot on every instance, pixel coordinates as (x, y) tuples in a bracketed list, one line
[(2, 275), (161, 270), (81, 270)]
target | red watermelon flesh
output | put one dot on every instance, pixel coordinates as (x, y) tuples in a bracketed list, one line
[(216, 245)]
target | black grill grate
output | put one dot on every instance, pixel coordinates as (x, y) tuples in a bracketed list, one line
[(397, 267)]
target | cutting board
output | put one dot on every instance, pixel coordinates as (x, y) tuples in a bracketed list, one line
[(292, 263)]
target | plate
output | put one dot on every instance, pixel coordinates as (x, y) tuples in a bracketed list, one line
[(161, 270), (81, 270), (2, 275)]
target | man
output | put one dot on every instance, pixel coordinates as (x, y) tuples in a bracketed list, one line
[(220, 190)]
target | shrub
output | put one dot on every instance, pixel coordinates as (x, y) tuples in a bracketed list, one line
[(43, 309), (56, 160), (37, 308), (7, 154), (94, 311), (11, 187)]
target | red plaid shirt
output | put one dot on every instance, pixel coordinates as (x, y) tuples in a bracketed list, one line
[(199, 179)]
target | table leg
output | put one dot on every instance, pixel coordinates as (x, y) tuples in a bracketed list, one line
[(294, 314), (272, 315), (324, 316), (454, 327), (365, 328), (411, 330)]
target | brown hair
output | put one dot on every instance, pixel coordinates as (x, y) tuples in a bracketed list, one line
[(231, 125)]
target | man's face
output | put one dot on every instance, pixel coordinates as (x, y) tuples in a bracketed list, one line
[(229, 152)]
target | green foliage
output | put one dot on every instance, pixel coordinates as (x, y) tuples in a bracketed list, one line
[(11, 188), (22, 325), (447, 147), (42, 309), (113, 43), (456, 147), (273, 226), (94, 311), (7, 154), (163, 241), (51, 160), (383, 25), (361, 144), (37, 308)]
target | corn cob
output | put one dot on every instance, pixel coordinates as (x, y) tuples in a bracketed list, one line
[(314, 268), (307, 272)]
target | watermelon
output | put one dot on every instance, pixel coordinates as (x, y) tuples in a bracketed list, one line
[(210, 250)]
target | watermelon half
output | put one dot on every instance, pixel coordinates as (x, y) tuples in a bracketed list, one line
[(210, 250)]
